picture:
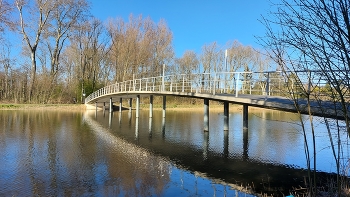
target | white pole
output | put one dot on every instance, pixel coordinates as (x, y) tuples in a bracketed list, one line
[(225, 91), (163, 88)]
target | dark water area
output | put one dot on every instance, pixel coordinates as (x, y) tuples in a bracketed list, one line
[(45, 153)]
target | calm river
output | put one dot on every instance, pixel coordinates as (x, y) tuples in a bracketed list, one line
[(50, 153)]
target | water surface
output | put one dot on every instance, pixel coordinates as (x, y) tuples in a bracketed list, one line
[(47, 153)]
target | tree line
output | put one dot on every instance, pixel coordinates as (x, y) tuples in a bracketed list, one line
[(67, 53)]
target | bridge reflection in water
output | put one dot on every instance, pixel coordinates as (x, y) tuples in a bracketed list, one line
[(158, 168), (214, 153)]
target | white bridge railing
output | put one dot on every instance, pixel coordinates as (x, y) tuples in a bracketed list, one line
[(258, 83)]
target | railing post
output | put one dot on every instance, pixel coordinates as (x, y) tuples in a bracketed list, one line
[(171, 84), (146, 85), (140, 85), (214, 87), (163, 86), (267, 88), (130, 84), (237, 80), (183, 83)]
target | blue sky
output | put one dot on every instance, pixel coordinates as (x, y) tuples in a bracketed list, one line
[(194, 23)]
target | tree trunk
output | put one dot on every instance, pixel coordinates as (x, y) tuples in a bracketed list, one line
[(32, 76)]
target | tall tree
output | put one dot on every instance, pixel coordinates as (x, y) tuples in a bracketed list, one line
[(39, 11), (65, 17)]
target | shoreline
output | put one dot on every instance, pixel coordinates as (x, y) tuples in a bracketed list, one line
[(82, 107), (60, 107)]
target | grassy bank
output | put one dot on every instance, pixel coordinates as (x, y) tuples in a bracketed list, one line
[(70, 107)]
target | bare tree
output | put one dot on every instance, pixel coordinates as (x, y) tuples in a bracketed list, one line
[(315, 35), (5, 18), (87, 51), (139, 47), (188, 63), (66, 16), (5, 61), (163, 52), (209, 57), (39, 11)]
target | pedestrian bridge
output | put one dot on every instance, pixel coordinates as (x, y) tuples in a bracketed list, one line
[(257, 89)]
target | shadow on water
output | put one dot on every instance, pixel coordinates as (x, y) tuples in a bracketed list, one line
[(201, 156)]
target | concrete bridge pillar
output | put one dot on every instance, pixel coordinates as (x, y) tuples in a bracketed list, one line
[(130, 105), (151, 106), (137, 106), (110, 105), (245, 117), (164, 105), (206, 115), (120, 104), (226, 116)]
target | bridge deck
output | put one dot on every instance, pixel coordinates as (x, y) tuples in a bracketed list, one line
[(261, 101)]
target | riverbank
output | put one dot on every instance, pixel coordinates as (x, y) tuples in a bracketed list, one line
[(82, 107), (68, 107)]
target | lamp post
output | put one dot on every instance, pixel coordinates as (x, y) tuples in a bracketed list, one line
[(225, 89)]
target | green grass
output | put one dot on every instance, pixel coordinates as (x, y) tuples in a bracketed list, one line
[(8, 106)]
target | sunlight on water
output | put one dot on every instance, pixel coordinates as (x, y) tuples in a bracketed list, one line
[(101, 154)]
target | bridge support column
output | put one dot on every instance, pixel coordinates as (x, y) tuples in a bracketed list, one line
[(151, 106), (226, 116), (120, 104), (164, 105), (130, 105), (245, 117), (110, 105), (137, 106), (206, 115)]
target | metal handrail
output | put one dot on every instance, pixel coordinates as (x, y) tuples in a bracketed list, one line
[(261, 83)]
